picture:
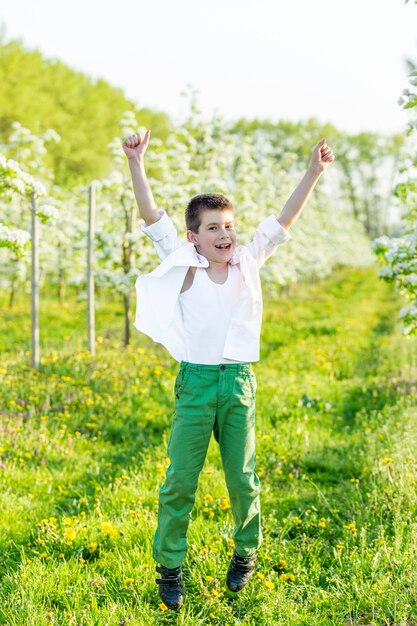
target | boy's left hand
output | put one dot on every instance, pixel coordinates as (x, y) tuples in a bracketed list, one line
[(321, 158)]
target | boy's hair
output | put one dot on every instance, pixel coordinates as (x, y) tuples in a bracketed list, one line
[(204, 202)]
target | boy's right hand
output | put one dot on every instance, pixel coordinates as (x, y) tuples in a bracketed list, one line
[(135, 147)]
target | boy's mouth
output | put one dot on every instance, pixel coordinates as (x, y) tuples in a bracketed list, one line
[(223, 246)]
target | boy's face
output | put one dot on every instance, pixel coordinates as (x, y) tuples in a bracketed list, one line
[(216, 237)]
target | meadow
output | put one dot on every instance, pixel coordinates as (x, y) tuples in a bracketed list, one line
[(83, 455)]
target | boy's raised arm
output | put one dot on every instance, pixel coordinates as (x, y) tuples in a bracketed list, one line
[(321, 159), (134, 148), (271, 234)]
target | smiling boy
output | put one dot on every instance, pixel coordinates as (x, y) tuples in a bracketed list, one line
[(204, 304)]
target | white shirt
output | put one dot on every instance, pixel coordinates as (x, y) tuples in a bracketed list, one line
[(207, 308), (158, 311)]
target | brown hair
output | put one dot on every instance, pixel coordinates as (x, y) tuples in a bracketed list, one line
[(204, 202)]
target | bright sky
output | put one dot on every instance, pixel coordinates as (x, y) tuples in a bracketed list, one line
[(338, 61)]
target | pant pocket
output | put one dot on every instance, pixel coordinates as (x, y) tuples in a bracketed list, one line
[(181, 380)]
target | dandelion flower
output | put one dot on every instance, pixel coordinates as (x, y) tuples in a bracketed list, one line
[(224, 504), (108, 528), (70, 534)]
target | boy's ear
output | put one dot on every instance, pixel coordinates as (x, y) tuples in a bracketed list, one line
[(192, 237)]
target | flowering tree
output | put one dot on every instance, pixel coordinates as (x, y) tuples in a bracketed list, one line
[(20, 190), (399, 254), (18, 184)]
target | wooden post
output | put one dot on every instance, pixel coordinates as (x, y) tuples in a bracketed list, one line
[(35, 284), (90, 276)]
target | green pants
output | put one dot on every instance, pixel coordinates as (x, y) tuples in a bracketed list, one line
[(218, 399)]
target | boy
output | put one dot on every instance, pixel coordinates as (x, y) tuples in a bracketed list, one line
[(204, 304)]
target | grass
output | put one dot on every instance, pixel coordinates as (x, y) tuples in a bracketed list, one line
[(83, 454)]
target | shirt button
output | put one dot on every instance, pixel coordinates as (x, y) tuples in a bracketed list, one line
[(222, 367)]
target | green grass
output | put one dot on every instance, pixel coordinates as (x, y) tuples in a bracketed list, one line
[(83, 454)]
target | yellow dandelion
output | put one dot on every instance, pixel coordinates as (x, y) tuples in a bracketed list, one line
[(269, 584), (283, 576), (224, 504), (108, 528), (351, 527), (339, 546), (69, 534), (163, 606), (282, 563), (260, 575), (209, 578), (129, 581), (291, 577), (93, 546)]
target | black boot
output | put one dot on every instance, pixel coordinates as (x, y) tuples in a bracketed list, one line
[(170, 585), (240, 571)]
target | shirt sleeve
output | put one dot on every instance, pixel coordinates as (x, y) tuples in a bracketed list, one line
[(269, 235), (163, 234)]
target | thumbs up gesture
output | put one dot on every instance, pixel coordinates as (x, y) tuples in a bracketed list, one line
[(135, 147)]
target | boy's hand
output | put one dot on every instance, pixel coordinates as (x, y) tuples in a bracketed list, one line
[(321, 158), (135, 147)]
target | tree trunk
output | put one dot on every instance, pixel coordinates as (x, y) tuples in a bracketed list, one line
[(128, 262), (90, 277), (35, 285), (12, 293)]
